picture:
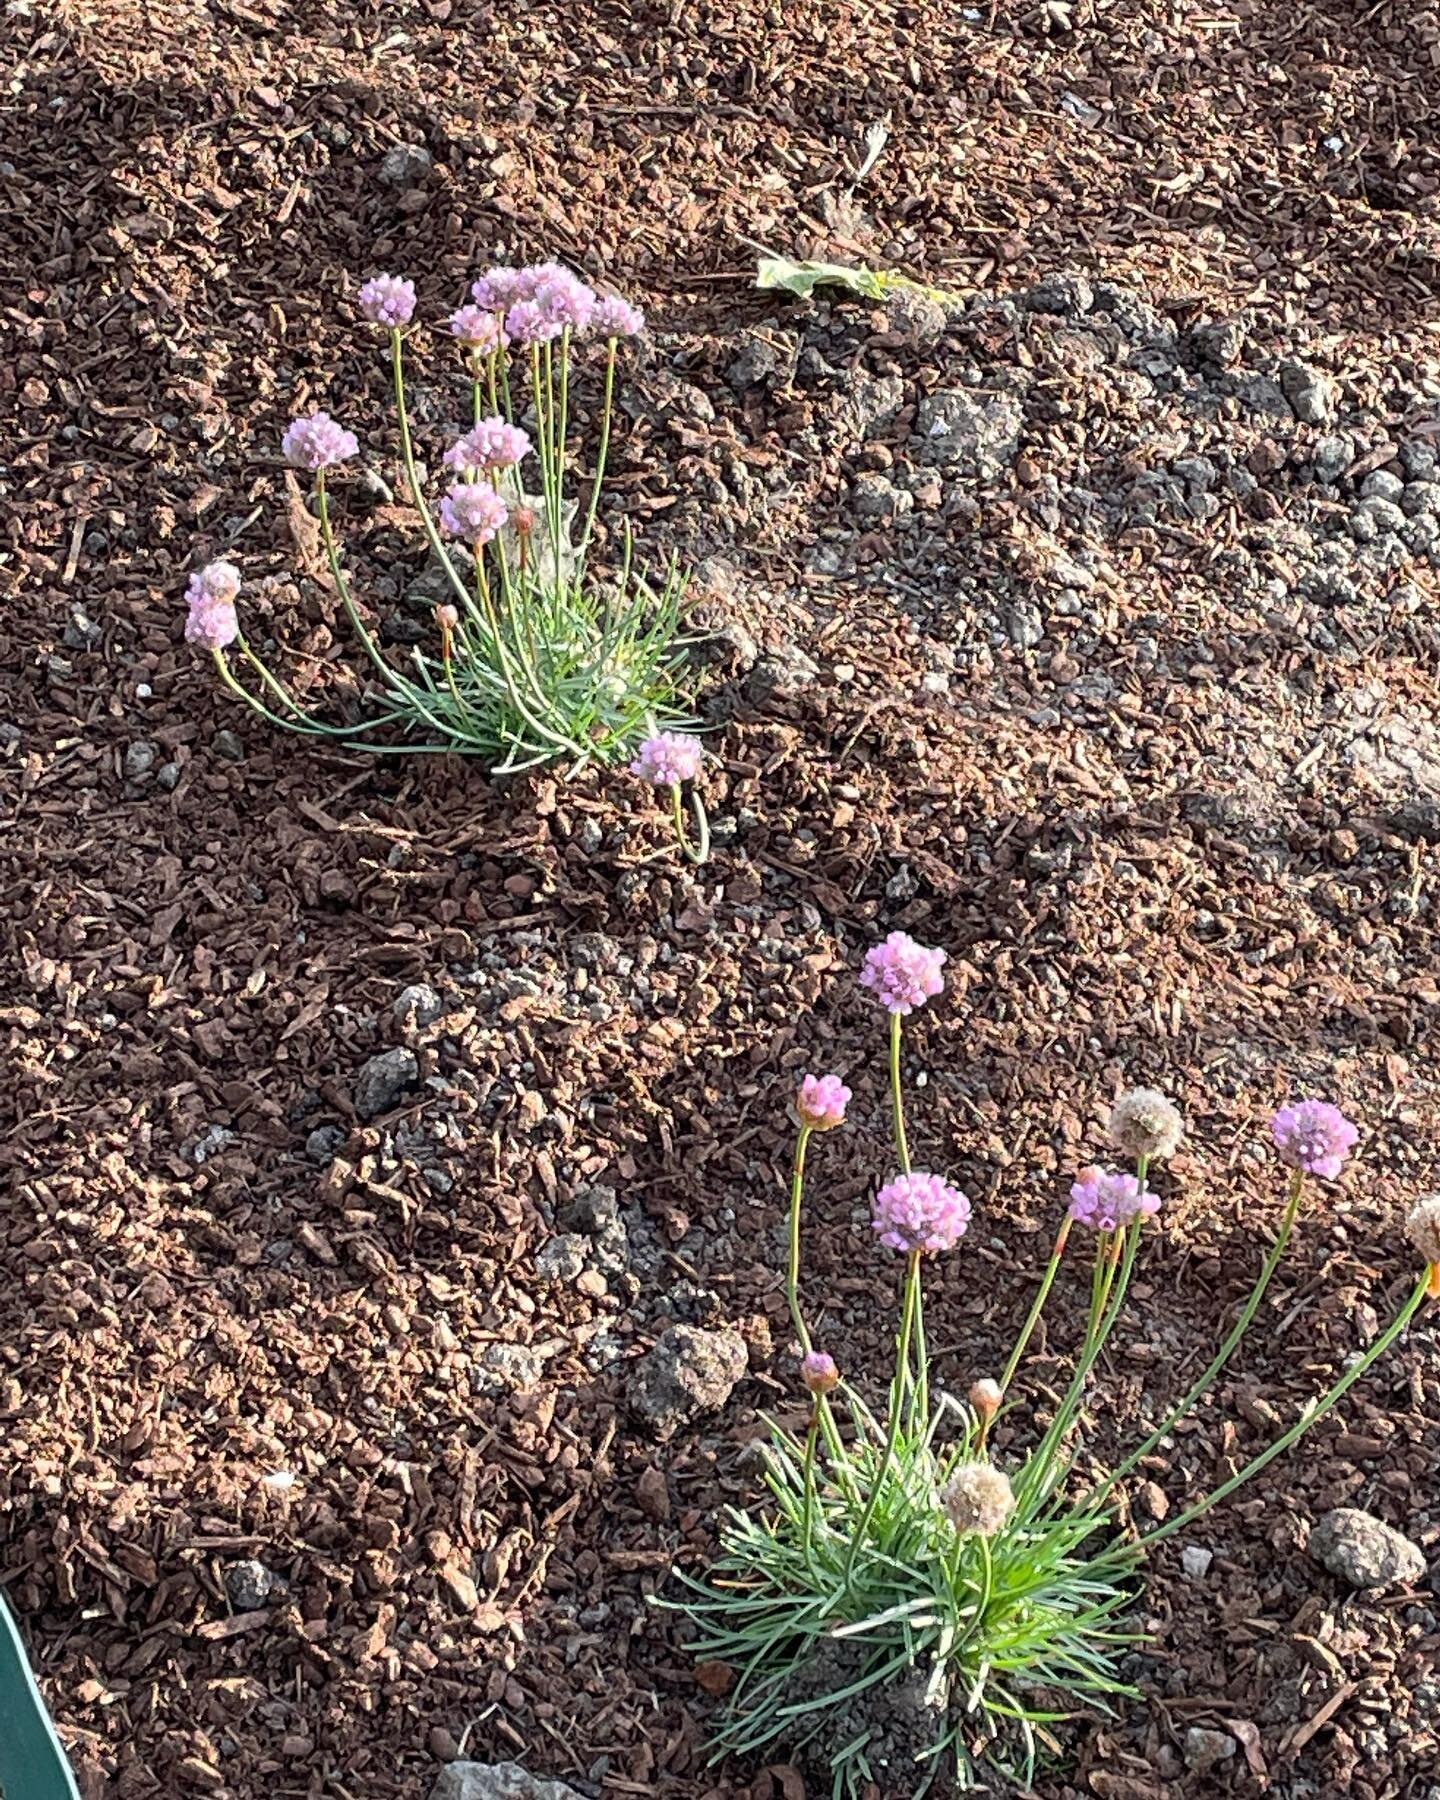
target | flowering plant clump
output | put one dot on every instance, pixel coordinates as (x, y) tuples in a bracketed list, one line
[(534, 655), (915, 1604)]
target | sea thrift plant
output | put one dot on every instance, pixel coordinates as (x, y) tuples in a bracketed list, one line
[(669, 759), (930, 1584), (535, 654)]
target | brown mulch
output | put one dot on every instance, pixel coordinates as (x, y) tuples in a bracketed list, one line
[(222, 1340)]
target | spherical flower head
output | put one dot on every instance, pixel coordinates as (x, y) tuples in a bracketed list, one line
[(492, 444), (473, 511), (1423, 1228), (612, 317), (210, 592), (668, 758), (821, 1102), (985, 1397), (447, 618), (388, 300), (1109, 1201), (978, 1497), (901, 973), (1313, 1136), (477, 329), (527, 322), (818, 1372), (316, 442), (565, 298), (1144, 1123), (920, 1212), (498, 289)]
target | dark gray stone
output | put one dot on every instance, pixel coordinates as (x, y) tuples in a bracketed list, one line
[(383, 1080), (1365, 1551)]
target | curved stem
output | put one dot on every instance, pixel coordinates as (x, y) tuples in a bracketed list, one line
[(1047, 1281), (1308, 1418), (391, 677), (897, 1098), (792, 1275), (1222, 1356), (897, 1397), (700, 849)]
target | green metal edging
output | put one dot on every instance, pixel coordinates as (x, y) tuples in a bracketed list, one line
[(33, 1765)]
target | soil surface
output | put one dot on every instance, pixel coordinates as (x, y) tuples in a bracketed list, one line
[(1086, 627)]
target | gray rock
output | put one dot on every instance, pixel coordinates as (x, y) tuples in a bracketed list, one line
[(689, 1371), (406, 165), (1382, 485), (1196, 1561), (418, 1004), (913, 315), (1333, 455), (250, 1584), (757, 359), (80, 631), (1384, 515), (780, 675), (1422, 497), (873, 402), (496, 1781), (215, 1139), (1062, 294), (563, 1258), (1419, 461), (227, 745), (1205, 1750), (1219, 342), (1365, 1551), (168, 775), (383, 1079), (324, 1142), (877, 497), (1311, 394), (140, 759), (1025, 625), (971, 435)]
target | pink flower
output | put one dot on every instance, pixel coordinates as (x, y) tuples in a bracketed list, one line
[(492, 444), (500, 288), (668, 758), (478, 329), (563, 297), (388, 300), (1314, 1136), (211, 592), (472, 510), (818, 1372), (821, 1102), (527, 322), (901, 973), (317, 442), (613, 317), (920, 1212), (1109, 1202)]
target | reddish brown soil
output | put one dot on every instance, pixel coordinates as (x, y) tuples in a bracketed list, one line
[(192, 190)]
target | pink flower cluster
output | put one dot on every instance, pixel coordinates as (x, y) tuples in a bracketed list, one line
[(821, 1102), (818, 1372), (920, 1212), (478, 329), (492, 444), (316, 442), (1313, 1136), (542, 300), (668, 758), (211, 593), (1108, 1201), (388, 300), (902, 974), (473, 512)]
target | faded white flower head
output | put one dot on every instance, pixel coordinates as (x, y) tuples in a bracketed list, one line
[(978, 1497), (985, 1396), (1144, 1123), (1423, 1225)]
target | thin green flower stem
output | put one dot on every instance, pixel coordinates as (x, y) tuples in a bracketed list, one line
[(228, 678), (1096, 1496), (810, 1437), (1047, 1281), (1116, 1260), (897, 1097), (897, 1394), (604, 451), (564, 431), (1302, 1424), (302, 721), (392, 678), (700, 849), (792, 1274)]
